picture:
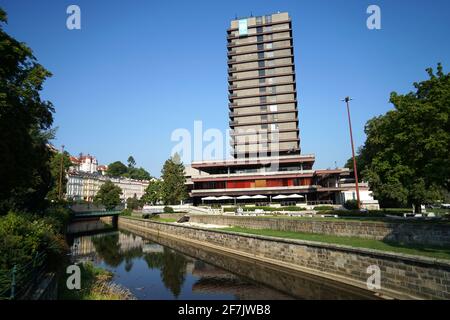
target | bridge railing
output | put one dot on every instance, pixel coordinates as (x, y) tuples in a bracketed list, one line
[(96, 213), (16, 282)]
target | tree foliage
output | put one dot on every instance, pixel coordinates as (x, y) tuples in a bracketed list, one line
[(25, 127), (153, 192), (406, 156), (118, 169), (131, 162), (173, 186), (22, 236), (108, 195), (134, 203), (138, 174), (55, 168)]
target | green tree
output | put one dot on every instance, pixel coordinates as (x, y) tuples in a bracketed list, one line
[(116, 169), (133, 203), (131, 162), (108, 195), (173, 186), (407, 150), (138, 174), (153, 192), (25, 127), (55, 168)]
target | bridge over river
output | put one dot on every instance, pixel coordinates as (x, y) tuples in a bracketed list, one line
[(92, 220)]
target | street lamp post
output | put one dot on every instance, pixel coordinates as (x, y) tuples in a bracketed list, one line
[(61, 173), (355, 170)]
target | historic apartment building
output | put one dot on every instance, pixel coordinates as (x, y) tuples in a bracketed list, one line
[(267, 166), (85, 177), (84, 186)]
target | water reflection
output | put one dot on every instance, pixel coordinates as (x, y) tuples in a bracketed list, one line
[(160, 268), (153, 271)]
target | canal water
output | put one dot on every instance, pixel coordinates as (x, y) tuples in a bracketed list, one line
[(158, 268)]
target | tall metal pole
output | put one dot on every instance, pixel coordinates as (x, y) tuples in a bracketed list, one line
[(61, 174), (347, 100)]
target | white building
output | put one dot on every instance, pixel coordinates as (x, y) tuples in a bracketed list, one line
[(131, 187), (88, 163), (74, 187), (84, 186), (365, 195)]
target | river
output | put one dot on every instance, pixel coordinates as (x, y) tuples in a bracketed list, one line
[(157, 268)]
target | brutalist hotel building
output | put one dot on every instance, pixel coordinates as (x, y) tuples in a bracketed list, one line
[(267, 166)]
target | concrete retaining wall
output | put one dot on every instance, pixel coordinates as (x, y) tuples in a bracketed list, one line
[(402, 276), (406, 232)]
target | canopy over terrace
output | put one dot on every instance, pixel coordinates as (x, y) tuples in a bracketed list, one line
[(252, 199), (221, 199)]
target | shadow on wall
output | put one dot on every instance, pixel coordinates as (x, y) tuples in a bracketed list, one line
[(89, 206), (429, 237)]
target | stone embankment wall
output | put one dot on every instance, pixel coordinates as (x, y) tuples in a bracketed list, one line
[(401, 276), (403, 232)]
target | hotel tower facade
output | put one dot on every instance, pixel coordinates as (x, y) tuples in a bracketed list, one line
[(266, 166), (262, 90)]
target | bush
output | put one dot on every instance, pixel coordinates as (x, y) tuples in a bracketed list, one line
[(265, 208), (126, 212), (168, 209), (351, 204), (58, 216), (146, 216), (24, 235), (370, 213), (134, 203), (355, 213), (321, 208)]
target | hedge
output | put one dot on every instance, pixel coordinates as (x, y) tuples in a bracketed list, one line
[(265, 208)]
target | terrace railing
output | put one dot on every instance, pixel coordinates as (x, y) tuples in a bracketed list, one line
[(17, 282)]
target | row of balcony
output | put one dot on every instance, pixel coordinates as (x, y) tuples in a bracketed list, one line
[(257, 77), (235, 70), (236, 123), (257, 39), (307, 173), (234, 96), (267, 32), (272, 23), (231, 46), (232, 61), (266, 141), (233, 52), (233, 105), (231, 114), (235, 87), (234, 133)]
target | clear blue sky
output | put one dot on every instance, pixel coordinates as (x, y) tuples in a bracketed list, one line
[(139, 69)]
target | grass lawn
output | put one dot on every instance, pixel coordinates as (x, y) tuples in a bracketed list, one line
[(428, 251), (354, 219), (163, 219), (158, 219)]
